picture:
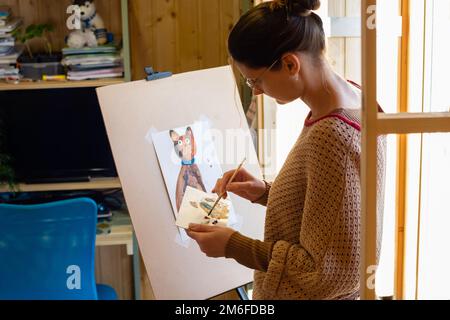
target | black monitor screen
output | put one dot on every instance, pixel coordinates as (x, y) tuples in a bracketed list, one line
[(55, 135)]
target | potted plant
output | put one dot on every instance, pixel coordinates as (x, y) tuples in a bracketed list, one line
[(34, 66), (7, 176), (6, 172)]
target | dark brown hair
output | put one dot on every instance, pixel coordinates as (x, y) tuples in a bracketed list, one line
[(271, 29)]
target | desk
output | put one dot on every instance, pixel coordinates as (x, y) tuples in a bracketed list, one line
[(119, 231)]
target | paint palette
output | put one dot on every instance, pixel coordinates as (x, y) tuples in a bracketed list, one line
[(195, 208)]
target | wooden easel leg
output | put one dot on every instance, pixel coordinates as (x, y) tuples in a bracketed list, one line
[(242, 293)]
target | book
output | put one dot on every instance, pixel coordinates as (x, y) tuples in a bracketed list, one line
[(5, 35), (11, 57), (95, 74), (4, 51), (7, 42), (9, 72), (86, 50), (11, 25), (91, 59), (7, 69), (3, 21), (88, 67)]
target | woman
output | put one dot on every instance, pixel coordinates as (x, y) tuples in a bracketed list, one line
[(311, 244)]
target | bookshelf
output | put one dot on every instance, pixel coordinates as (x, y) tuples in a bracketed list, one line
[(59, 84), (115, 14), (98, 184)]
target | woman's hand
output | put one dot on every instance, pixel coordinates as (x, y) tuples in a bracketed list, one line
[(244, 185), (212, 240)]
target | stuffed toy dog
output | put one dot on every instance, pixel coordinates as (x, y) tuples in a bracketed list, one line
[(92, 31)]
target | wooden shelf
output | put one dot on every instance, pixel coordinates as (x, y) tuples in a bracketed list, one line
[(103, 183), (25, 85), (121, 232)]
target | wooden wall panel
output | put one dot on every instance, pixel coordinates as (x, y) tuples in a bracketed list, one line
[(180, 35), (209, 28), (229, 15), (54, 12), (114, 267), (187, 44)]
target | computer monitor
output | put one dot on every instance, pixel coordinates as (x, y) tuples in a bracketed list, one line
[(56, 135)]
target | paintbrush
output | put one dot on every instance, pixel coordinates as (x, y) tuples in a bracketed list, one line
[(230, 181)]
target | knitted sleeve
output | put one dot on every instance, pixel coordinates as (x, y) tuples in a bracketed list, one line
[(264, 198), (253, 254)]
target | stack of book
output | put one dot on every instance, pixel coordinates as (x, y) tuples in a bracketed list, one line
[(93, 63), (9, 53)]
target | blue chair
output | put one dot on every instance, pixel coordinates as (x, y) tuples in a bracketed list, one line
[(47, 252)]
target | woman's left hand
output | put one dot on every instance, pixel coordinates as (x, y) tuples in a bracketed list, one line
[(212, 240)]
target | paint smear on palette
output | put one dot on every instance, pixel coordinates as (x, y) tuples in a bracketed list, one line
[(196, 206)]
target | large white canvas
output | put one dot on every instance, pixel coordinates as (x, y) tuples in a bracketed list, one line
[(130, 110)]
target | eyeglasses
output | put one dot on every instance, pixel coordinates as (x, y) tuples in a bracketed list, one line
[(253, 82)]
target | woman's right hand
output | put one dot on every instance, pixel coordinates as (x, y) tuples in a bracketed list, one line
[(244, 185)]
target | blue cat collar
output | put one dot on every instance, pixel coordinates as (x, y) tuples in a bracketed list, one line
[(188, 163)]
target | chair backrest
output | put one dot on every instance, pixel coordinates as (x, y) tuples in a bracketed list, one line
[(47, 251)]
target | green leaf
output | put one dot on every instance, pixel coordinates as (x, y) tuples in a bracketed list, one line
[(30, 28), (49, 28)]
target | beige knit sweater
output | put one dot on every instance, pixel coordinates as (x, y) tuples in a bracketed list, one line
[(311, 246)]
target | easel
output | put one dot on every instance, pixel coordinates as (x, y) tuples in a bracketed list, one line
[(177, 271), (153, 75), (242, 293)]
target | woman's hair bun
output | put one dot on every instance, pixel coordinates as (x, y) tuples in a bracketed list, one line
[(303, 5), (296, 7)]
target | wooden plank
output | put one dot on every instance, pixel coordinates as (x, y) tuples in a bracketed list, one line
[(14, 4), (180, 35), (229, 15), (104, 183), (209, 46), (406, 123), (187, 35), (402, 154), (126, 44), (25, 85), (164, 35), (141, 37), (113, 263), (114, 267)]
